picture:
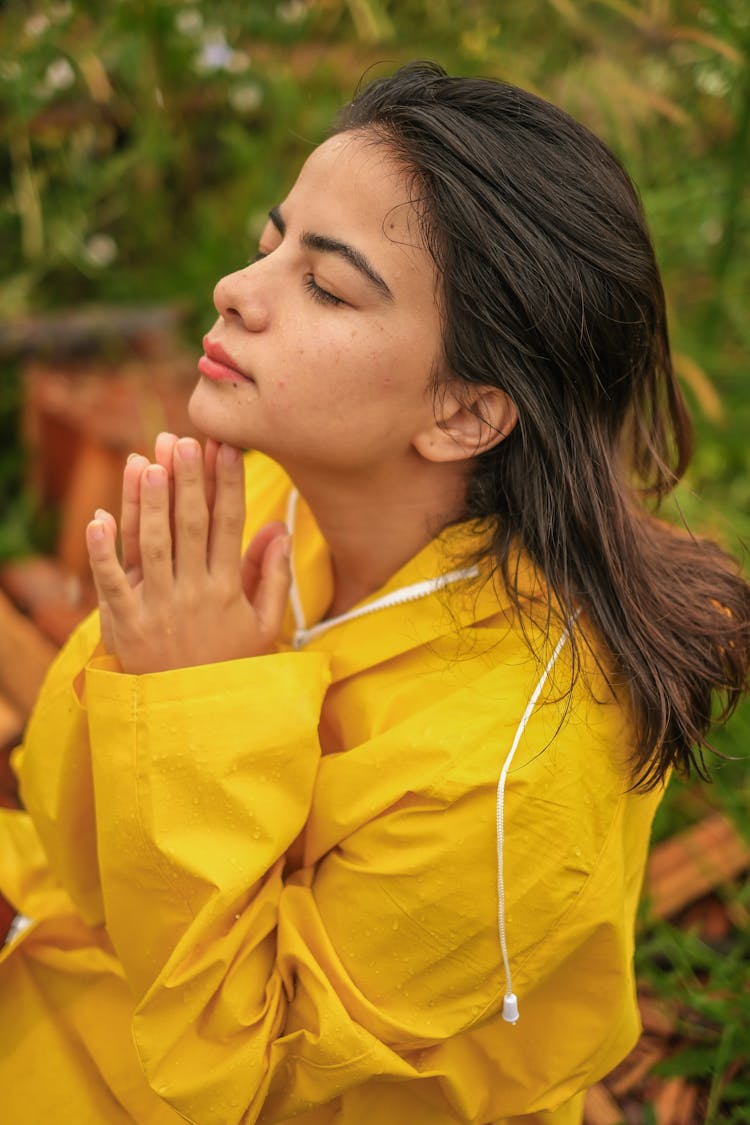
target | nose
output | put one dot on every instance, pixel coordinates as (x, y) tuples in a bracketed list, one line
[(239, 296)]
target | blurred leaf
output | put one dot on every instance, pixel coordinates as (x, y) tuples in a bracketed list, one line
[(703, 389)]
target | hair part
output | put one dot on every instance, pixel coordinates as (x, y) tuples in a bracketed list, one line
[(550, 291)]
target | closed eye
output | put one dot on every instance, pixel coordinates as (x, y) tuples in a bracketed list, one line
[(319, 294), (311, 285)]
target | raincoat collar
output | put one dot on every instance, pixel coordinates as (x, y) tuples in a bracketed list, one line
[(436, 591)]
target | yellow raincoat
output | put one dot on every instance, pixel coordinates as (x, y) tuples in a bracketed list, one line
[(266, 889)]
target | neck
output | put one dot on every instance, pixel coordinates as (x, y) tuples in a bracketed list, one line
[(374, 523)]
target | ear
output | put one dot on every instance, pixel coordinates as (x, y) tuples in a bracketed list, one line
[(467, 426)]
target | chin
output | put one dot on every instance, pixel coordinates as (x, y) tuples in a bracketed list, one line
[(209, 417)]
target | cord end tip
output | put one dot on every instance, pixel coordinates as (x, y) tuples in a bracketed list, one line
[(510, 1008)]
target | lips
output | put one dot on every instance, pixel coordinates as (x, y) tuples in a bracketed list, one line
[(218, 365)]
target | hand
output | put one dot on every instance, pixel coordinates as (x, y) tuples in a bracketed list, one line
[(130, 514), (182, 595)]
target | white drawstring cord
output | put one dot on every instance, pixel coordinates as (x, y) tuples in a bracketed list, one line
[(510, 1000), (409, 593), (294, 598), (396, 597)]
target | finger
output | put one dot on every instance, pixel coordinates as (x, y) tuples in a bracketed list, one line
[(252, 560), (228, 516), (109, 519), (273, 588), (112, 587), (105, 617), (155, 539), (191, 512), (130, 514), (164, 448), (209, 460)]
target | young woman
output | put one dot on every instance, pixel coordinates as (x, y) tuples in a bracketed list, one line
[(353, 830)]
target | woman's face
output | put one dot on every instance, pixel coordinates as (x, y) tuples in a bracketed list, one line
[(324, 347)]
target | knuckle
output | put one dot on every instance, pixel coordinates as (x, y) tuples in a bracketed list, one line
[(154, 554), (111, 588), (231, 523), (193, 526)]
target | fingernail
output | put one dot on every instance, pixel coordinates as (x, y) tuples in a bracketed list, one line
[(155, 475), (286, 550), (131, 456), (96, 529), (100, 514), (188, 449), (229, 455)]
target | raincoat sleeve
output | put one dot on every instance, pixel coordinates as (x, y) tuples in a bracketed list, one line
[(258, 993), (56, 785)]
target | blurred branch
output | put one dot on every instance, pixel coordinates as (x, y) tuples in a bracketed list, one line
[(705, 39), (705, 393), (370, 20), (26, 197)]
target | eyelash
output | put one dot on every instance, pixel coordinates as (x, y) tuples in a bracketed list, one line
[(311, 285), (319, 294)]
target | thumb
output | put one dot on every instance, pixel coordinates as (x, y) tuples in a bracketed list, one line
[(273, 587), (251, 566)]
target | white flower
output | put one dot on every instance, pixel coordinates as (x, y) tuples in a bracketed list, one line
[(100, 250), (189, 21), (215, 52), (60, 12), (711, 229), (247, 98), (712, 82), (291, 11), (36, 25), (59, 75)]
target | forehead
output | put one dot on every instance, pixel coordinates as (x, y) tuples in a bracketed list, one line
[(353, 184)]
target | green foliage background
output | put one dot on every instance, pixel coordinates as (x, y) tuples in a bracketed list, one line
[(144, 140)]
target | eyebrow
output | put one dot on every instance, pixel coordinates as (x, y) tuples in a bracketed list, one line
[(328, 245)]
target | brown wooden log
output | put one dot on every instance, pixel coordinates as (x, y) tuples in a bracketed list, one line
[(25, 656), (96, 482), (674, 1104), (142, 329), (656, 1016), (600, 1108), (709, 918), (692, 863), (55, 600), (11, 729), (646, 1053)]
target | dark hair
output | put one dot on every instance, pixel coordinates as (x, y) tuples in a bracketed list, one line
[(550, 291)]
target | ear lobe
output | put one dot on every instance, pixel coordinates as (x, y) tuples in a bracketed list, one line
[(464, 429)]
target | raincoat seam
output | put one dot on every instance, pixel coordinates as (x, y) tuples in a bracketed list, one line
[(159, 863), (441, 948)]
